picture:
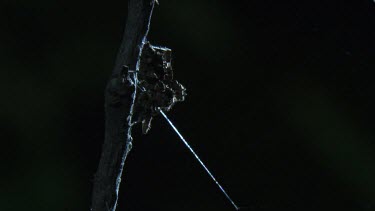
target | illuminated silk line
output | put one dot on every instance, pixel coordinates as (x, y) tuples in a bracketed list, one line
[(199, 160)]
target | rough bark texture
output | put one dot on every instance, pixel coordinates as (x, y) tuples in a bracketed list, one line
[(119, 103)]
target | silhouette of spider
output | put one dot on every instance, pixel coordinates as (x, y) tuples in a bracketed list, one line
[(157, 89)]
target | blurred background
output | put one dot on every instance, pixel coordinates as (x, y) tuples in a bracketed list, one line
[(280, 105)]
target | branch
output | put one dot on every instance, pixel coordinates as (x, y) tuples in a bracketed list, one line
[(119, 103)]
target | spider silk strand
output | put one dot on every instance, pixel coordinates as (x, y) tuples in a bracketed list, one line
[(199, 160)]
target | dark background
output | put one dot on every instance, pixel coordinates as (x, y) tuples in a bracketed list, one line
[(280, 105)]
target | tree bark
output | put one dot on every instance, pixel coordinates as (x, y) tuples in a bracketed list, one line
[(119, 103)]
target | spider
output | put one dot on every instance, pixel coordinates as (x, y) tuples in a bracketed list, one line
[(157, 88)]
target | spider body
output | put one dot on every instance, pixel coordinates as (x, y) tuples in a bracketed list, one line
[(157, 88)]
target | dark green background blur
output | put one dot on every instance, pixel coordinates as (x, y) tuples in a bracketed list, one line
[(280, 105)]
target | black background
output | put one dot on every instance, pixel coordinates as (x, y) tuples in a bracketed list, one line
[(280, 105)]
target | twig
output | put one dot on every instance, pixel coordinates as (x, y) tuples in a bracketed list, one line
[(119, 102)]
